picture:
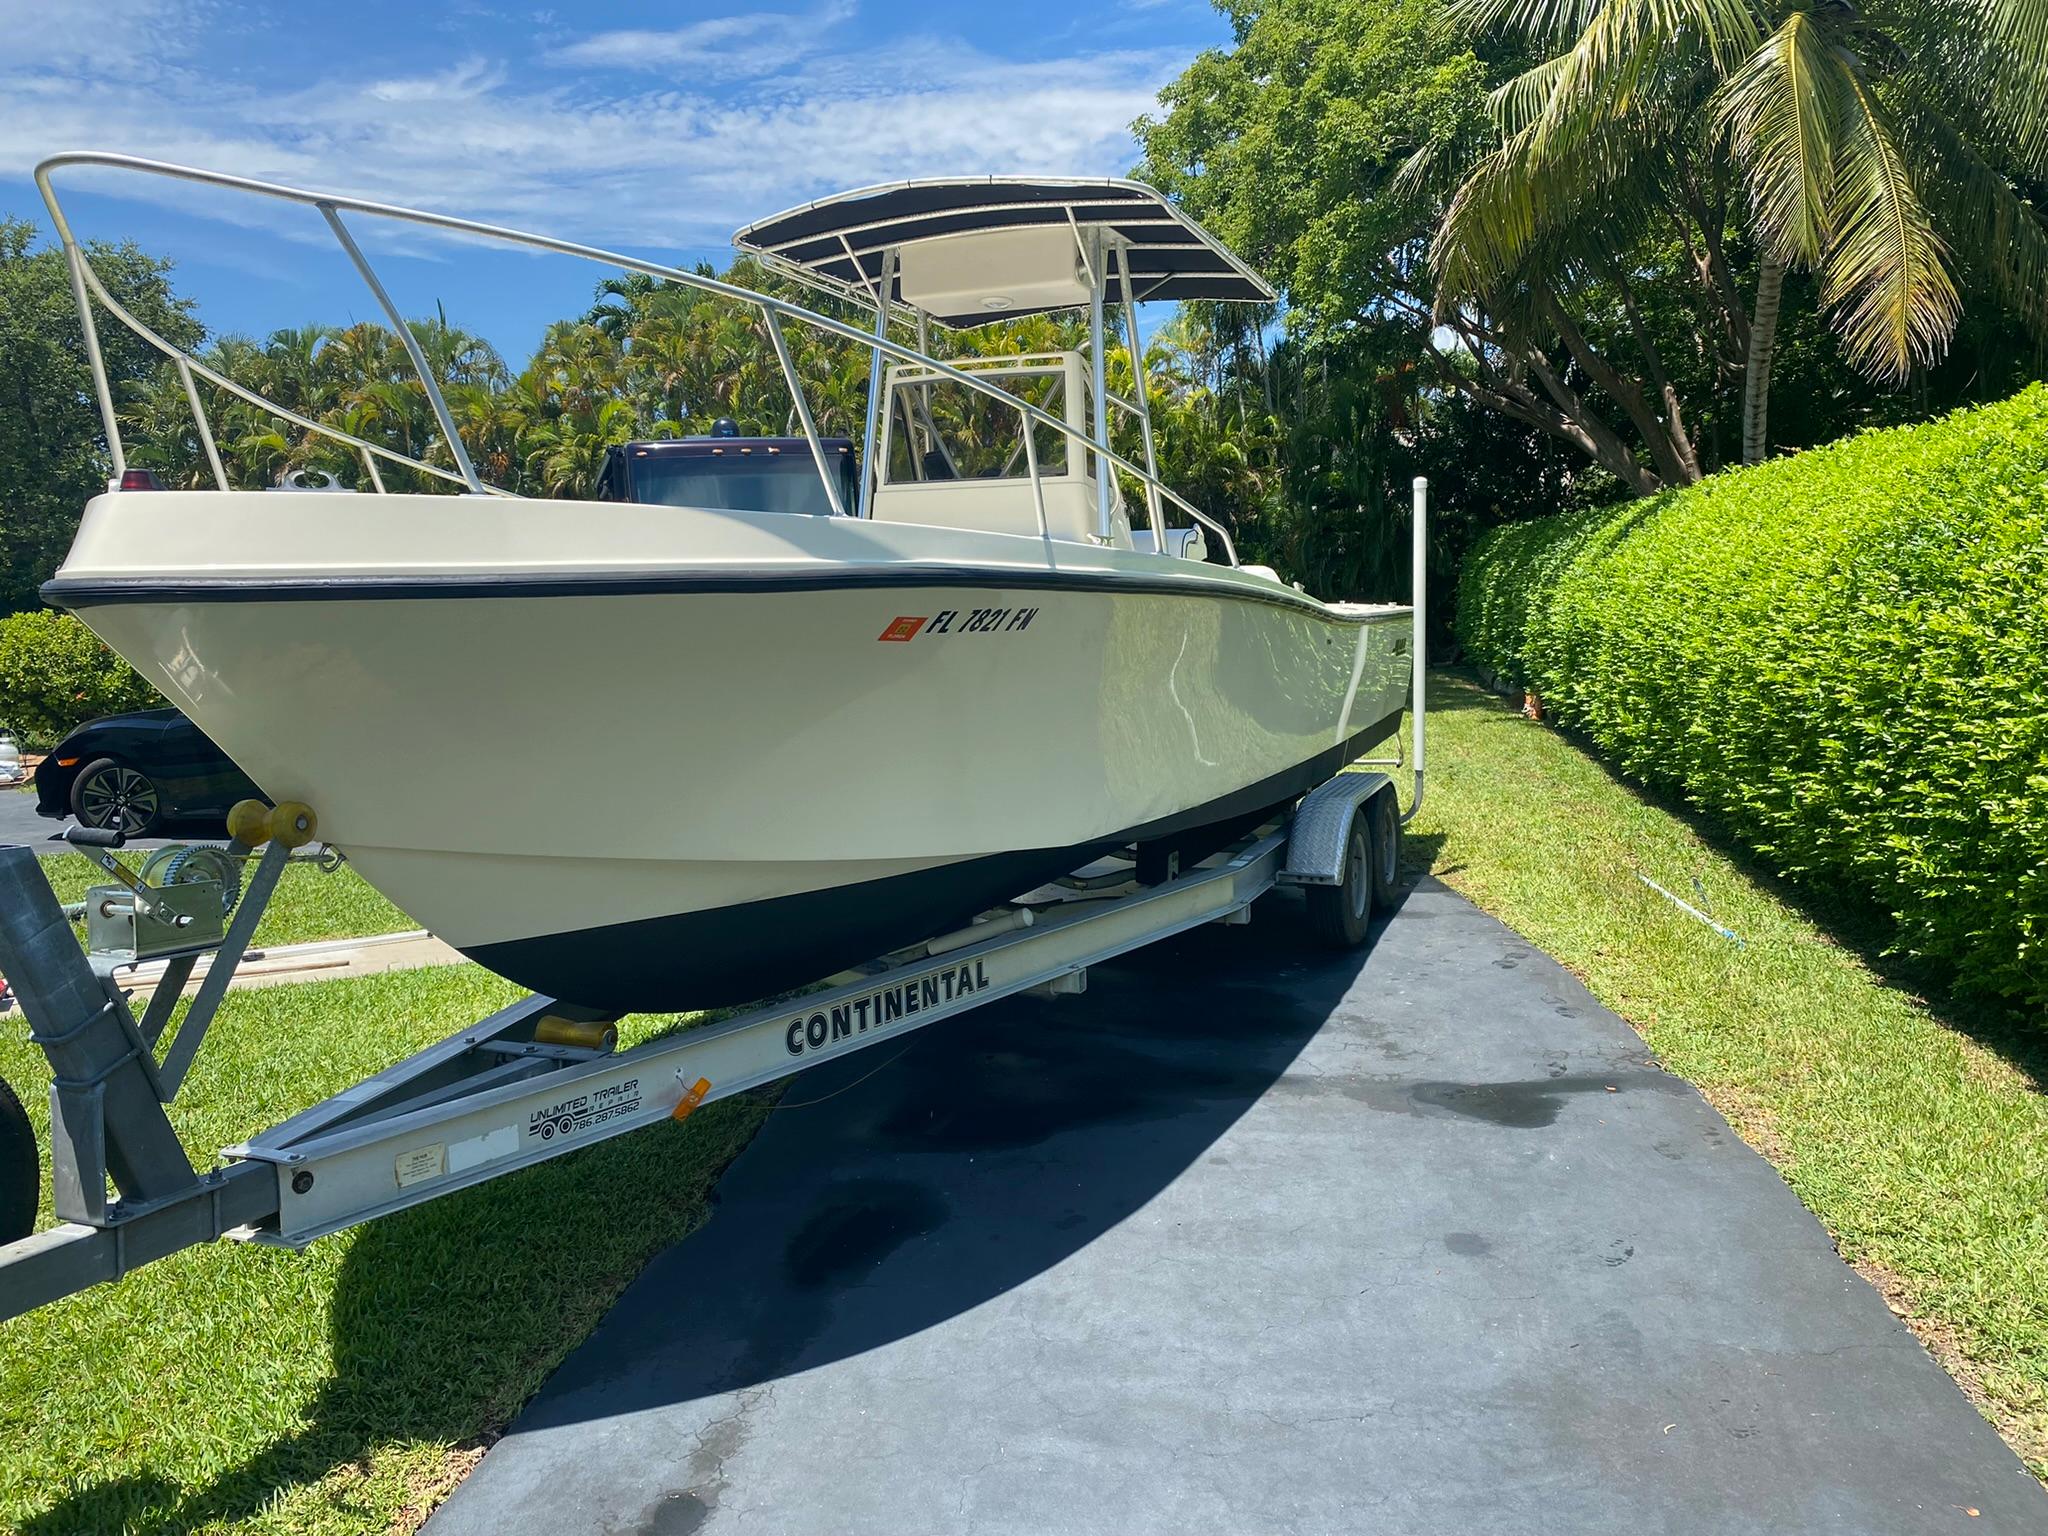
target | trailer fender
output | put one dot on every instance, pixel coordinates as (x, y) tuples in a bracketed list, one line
[(1322, 824)]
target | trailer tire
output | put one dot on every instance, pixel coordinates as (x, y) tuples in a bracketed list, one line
[(1385, 813), (1340, 915), (20, 1169)]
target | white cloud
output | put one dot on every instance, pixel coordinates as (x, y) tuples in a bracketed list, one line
[(566, 150), (718, 47), (112, 37)]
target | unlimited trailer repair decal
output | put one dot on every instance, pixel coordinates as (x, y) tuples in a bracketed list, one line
[(884, 1006), (582, 1111)]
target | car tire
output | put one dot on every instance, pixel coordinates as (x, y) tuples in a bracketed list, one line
[(107, 790), (20, 1169)]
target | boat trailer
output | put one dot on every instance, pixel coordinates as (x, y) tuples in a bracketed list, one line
[(538, 1078), (535, 1079)]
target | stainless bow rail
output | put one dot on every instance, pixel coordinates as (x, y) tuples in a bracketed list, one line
[(87, 287)]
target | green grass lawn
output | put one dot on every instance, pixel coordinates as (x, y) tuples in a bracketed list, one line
[(346, 1388), (309, 903), (1916, 1131)]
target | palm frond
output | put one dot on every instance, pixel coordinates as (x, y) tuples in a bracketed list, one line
[(1635, 61), (2004, 234), (2018, 29), (1609, 30), (1538, 21), (1517, 215), (1487, 230), (2017, 70), (1985, 60), (1568, 137), (1432, 174), (1521, 100), (1885, 276), (1777, 116)]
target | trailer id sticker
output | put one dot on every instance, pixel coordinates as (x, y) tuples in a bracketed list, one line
[(583, 1111), (879, 1009), (421, 1163)]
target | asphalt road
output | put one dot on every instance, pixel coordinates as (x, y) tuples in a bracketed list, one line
[(1253, 1238), (19, 823)]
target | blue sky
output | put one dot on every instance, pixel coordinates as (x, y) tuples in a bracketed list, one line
[(654, 129)]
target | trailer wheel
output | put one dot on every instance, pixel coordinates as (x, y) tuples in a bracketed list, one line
[(20, 1171), (1340, 914), (1386, 850)]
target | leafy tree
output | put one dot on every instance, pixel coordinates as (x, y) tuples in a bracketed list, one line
[(52, 455), (1296, 146), (1329, 141), (1883, 147)]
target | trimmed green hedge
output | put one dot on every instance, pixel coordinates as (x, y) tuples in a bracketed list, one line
[(56, 673), (1844, 655)]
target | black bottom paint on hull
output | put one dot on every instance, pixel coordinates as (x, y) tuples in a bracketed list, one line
[(725, 955)]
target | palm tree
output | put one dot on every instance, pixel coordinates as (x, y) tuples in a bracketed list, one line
[(565, 456), (1879, 144), (155, 410)]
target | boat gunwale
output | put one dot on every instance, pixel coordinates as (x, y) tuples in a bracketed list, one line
[(94, 592)]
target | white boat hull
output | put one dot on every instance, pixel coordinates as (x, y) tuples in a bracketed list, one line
[(761, 750)]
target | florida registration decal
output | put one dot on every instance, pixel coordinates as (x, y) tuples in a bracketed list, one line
[(956, 621)]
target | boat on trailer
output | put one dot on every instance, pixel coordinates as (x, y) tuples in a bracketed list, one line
[(542, 1076), (796, 741)]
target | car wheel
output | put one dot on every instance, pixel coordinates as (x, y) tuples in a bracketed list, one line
[(110, 794)]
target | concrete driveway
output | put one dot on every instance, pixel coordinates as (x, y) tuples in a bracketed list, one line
[(1253, 1238)]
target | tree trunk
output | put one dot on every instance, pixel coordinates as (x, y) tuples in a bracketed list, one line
[(1763, 337)]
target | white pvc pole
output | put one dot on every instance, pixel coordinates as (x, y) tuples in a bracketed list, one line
[(1419, 679)]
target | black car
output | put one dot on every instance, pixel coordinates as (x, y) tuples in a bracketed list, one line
[(143, 772)]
